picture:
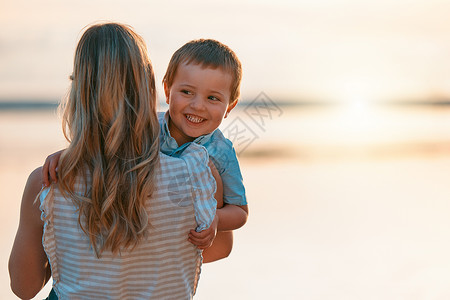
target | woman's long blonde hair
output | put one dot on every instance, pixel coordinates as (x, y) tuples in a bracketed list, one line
[(109, 118)]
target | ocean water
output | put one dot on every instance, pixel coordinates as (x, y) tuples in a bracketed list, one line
[(345, 202)]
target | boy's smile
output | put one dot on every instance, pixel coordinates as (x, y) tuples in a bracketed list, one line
[(198, 99)]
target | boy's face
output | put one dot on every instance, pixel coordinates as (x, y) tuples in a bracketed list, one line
[(198, 99)]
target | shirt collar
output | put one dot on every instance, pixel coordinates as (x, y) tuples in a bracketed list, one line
[(167, 140)]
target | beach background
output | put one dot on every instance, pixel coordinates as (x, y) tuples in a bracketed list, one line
[(343, 135)]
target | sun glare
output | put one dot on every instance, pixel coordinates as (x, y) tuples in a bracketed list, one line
[(357, 111), (356, 96)]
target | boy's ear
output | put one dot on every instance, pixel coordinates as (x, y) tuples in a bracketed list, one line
[(230, 107), (166, 91)]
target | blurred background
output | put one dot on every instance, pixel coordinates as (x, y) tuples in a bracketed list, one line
[(342, 131)]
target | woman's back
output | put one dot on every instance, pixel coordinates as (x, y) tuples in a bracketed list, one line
[(103, 234), (164, 265)]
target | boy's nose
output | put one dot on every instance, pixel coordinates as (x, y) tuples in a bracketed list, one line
[(197, 103)]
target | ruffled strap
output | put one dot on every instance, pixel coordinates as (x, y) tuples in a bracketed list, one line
[(46, 198), (203, 185)]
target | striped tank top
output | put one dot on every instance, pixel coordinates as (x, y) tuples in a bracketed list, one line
[(163, 266)]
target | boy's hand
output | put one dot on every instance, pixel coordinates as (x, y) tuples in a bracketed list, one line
[(50, 168), (204, 238)]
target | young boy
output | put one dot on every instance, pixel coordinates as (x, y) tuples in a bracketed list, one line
[(201, 86)]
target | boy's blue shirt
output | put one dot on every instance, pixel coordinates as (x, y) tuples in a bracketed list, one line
[(221, 152)]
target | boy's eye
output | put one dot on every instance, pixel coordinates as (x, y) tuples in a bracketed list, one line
[(213, 98), (186, 92)]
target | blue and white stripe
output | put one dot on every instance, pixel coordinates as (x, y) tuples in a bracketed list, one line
[(163, 266)]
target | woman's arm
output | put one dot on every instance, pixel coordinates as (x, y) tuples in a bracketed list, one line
[(220, 248), (29, 269), (230, 217)]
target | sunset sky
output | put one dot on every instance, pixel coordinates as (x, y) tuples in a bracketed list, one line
[(346, 202), (310, 50)]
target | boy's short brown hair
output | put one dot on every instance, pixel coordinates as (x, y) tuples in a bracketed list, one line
[(208, 53)]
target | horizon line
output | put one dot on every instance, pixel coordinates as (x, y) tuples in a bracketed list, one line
[(41, 104)]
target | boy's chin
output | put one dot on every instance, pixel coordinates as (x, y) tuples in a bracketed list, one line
[(195, 134), (194, 137)]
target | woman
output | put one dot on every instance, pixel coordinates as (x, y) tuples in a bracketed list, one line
[(115, 225)]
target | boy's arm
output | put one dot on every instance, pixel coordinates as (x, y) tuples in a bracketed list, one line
[(234, 213), (217, 241), (232, 217), (229, 217), (50, 168)]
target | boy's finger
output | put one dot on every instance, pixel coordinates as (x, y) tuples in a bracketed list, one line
[(203, 239), (195, 240), (200, 234), (203, 244), (45, 173), (199, 245), (198, 241), (53, 170)]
